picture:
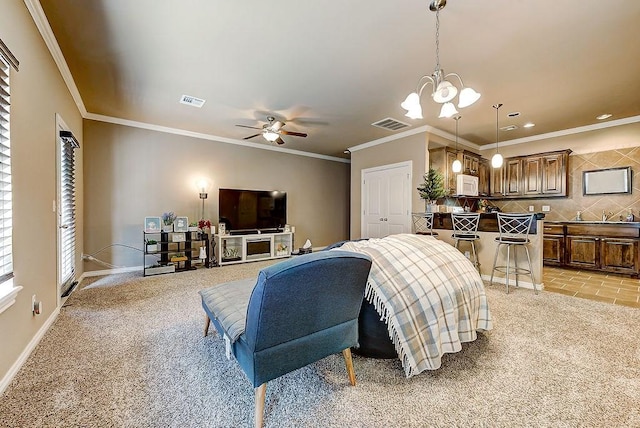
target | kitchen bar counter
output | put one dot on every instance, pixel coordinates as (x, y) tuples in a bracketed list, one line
[(486, 247)]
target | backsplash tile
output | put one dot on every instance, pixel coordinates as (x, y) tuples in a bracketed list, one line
[(564, 209)]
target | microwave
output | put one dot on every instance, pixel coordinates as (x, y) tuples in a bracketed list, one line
[(467, 185)]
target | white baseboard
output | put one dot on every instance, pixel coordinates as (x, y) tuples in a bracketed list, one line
[(15, 368), (512, 283), (109, 272)]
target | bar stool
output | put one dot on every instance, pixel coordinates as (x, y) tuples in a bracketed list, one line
[(465, 228), (423, 224), (514, 232)]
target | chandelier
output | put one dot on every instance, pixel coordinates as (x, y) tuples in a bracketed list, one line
[(443, 91)]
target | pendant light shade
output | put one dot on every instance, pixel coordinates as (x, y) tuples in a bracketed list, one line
[(497, 160), (442, 90)]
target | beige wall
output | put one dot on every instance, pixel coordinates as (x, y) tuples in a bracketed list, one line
[(133, 173), (413, 148), (605, 148), (37, 94)]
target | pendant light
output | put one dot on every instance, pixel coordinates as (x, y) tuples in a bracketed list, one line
[(496, 160), (457, 165)]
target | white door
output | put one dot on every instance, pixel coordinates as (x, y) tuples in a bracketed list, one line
[(386, 200), (66, 208)]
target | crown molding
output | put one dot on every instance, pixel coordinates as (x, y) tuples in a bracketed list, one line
[(414, 131), (565, 132), (40, 19), (202, 136)]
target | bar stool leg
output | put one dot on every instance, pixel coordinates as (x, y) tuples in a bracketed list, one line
[(475, 256), (535, 290), (515, 264), (508, 263), (495, 259)]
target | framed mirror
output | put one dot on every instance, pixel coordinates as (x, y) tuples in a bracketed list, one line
[(607, 181)]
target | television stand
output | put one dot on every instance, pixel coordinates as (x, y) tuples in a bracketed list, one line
[(249, 247)]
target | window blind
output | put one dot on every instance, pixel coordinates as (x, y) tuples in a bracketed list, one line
[(6, 226), (67, 208)]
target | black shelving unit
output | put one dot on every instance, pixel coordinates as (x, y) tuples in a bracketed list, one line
[(174, 254)]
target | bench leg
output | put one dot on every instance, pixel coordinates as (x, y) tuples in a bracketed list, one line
[(260, 393), (349, 363), (207, 322)]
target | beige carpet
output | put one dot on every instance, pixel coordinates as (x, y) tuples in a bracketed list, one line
[(128, 351)]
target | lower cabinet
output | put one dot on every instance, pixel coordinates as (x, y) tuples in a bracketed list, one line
[(615, 254)]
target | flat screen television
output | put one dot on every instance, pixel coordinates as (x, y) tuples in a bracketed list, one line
[(245, 211)]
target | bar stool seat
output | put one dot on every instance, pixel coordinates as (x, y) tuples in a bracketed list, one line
[(465, 228), (514, 233), (423, 224)]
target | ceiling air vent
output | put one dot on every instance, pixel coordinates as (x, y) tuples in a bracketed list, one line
[(192, 101), (391, 124), (509, 128)]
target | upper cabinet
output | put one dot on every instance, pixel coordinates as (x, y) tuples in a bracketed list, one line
[(541, 175)]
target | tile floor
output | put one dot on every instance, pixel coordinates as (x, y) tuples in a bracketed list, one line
[(610, 288)]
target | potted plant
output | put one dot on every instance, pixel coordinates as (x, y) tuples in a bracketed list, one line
[(152, 245), (431, 189), (193, 226), (167, 220)]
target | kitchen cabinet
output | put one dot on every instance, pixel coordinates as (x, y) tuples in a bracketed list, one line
[(555, 174), (513, 177), (532, 175), (484, 177), (608, 247), (470, 163), (497, 181), (553, 245)]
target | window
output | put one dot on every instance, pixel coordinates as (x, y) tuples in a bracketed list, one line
[(7, 290), (67, 211)]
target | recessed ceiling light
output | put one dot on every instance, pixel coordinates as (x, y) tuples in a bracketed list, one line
[(513, 114), (604, 116), (528, 125)]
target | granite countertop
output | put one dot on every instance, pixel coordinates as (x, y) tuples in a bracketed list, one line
[(613, 223)]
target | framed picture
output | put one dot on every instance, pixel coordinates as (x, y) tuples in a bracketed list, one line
[(152, 225), (607, 181), (181, 224)]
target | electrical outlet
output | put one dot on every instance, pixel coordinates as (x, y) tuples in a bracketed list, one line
[(531, 208), (36, 306), (546, 208)]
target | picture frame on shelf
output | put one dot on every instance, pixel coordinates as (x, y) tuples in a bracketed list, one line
[(178, 237), (181, 224), (152, 225)]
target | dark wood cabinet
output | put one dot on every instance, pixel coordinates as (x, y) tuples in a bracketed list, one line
[(532, 175), (513, 177), (553, 245), (554, 174), (484, 178), (595, 246), (470, 163), (497, 181), (582, 251), (619, 255)]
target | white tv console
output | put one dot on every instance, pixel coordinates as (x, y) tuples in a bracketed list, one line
[(232, 249)]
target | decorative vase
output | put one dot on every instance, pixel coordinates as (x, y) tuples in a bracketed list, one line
[(167, 228), (152, 248), (430, 206)]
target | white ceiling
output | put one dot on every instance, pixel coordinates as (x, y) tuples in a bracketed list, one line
[(330, 69)]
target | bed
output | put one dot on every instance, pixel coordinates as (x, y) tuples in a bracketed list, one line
[(427, 295)]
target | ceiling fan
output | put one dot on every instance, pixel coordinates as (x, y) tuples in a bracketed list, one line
[(272, 131)]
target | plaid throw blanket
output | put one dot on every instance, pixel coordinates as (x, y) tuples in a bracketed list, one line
[(431, 297)]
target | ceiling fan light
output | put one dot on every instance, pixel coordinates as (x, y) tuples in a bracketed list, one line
[(271, 136), (496, 160), (448, 110), (467, 97), (456, 166), (445, 92)]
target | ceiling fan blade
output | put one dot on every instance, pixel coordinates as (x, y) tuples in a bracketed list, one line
[(280, 141), (246, 138), (295, 134), (245, 126)]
